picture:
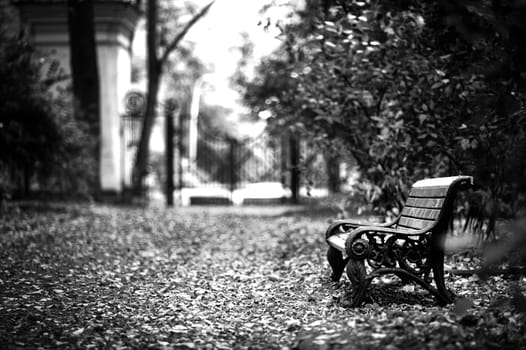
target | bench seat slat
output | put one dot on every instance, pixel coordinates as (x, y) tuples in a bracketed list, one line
[(407, 228), (338, 240), (432, 203), (415, 223), (440, 181), (421, 213), (425, 192)]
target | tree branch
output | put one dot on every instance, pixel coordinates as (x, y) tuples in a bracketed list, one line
[(56, 79), (453, 159), (181, 35), (363, 107), (382, 94), (360, 103), (380, 99)]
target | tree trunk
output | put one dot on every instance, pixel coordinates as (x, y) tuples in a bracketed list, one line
[(27, 178), (85, 74), (154, 79), (333, 172), (142, 152), (294, 149), (155, 67)]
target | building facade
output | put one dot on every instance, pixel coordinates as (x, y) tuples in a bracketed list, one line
[(115, 23)]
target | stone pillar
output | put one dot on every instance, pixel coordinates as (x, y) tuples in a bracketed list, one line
[(115, 23)]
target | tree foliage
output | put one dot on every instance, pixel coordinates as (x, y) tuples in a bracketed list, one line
[(42, 145), (28, 133), (403, 90)]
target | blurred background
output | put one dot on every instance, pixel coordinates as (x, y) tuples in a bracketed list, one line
[(236, 102)]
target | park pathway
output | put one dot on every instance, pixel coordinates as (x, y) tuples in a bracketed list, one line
[(201, 278), (191, 277)]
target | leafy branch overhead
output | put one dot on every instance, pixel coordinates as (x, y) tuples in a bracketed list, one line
[(405, 89)]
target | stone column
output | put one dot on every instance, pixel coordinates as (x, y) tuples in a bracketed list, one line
[(115, 23)]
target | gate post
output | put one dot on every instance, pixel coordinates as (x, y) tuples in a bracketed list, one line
[(180, 149), (232, 163), (170, 107)]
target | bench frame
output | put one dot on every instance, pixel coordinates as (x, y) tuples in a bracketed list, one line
[(407, 252)]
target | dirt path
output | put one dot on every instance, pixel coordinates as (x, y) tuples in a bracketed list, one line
[(206, 278)]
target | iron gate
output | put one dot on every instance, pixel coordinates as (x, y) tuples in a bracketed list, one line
[(232, 164)]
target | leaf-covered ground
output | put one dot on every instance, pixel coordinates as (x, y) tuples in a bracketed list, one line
[(219, 278)]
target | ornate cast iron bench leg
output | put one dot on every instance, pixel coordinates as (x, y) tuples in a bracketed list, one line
[(437, 265), (357, 275), (437, 261), (337, 262), (358, 249), (438, 273)]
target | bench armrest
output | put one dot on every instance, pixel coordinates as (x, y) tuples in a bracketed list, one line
[(355, 235), (344, 240), (389, 230), (341, 226)]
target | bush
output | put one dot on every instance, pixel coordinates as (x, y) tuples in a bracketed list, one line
[(42, 147), (405, 91)]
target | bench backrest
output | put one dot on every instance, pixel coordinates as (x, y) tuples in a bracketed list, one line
[(428, 200)]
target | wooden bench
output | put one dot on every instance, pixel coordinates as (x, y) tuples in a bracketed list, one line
[(411, 246)]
